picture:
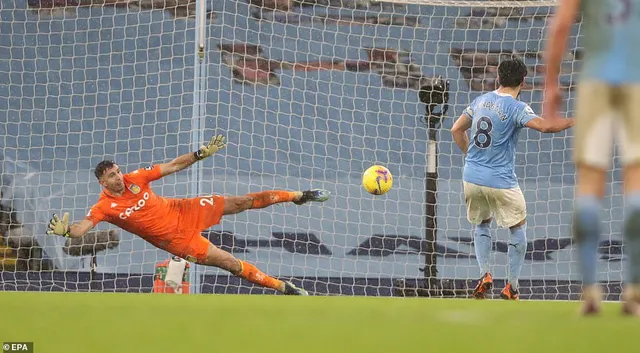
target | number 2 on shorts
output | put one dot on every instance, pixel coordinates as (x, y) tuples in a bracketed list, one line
[(204, 200)]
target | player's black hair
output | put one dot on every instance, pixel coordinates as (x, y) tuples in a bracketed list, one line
[(511, 72), (103, 167)]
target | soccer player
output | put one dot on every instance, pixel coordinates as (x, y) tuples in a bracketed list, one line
[(175, 225), (490, 183), (606, 109)]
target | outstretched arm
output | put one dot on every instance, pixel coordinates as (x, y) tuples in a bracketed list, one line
[(186, 160), (78, 230), (557, 38), (549, 125), (459, 132), (554, 51), (62, 227)]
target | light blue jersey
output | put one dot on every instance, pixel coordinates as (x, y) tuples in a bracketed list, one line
[(496, 122), (611, 31)]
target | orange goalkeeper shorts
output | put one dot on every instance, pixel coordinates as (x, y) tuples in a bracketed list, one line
[(200, 213), (191, 246), (196, 215)]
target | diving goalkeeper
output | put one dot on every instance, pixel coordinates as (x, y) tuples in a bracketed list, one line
[(175, 225)]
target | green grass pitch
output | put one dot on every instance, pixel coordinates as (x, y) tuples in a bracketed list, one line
[(113, 322)]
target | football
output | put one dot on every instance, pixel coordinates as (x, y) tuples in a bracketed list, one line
[(377, 180)]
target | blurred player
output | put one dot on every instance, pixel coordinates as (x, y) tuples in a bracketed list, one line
[(490, 183), (608, 98), (175, 225)]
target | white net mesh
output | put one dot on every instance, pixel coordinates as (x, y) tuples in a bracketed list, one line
[(80, 84), (309, 94)]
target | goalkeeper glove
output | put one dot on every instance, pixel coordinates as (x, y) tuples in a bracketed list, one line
[(216, 144), (58, 227)]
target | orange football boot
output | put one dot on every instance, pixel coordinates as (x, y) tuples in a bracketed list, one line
[(484, 286), (508, 293)]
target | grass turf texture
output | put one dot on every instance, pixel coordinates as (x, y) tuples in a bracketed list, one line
[(113, 322)]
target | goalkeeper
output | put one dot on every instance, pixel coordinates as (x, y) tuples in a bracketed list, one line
[(175, 225)]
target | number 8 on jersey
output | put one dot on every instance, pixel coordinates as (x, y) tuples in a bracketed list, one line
[(496, 120), (482, 132)]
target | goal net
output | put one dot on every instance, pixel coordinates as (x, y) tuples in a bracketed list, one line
[(309, 93)]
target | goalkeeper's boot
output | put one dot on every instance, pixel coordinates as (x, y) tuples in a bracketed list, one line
[(591, 298), (291, 289), (483, 287), (315, 195), (509, 293), (631, 301)]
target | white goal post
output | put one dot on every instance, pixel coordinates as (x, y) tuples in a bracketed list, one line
[(309, 93)]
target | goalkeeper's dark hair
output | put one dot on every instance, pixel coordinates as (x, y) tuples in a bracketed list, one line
[(103, 167), (511, 72)]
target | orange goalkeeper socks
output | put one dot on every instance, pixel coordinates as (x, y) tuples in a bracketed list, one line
[(253, 275), (267, 198)]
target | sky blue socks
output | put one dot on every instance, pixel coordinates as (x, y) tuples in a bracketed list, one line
[(482, 244), (516, 252), (632, 237), (586, 229)]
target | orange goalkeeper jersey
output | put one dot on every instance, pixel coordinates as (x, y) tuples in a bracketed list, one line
[(140, 211)]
